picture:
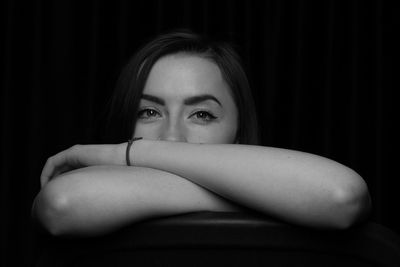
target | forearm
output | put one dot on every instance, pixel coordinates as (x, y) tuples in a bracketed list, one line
[(296, 186), (98, 199)]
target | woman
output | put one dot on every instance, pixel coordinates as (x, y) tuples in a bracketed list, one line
[(189, 101)]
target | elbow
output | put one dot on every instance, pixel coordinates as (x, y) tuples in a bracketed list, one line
[(51, 209), (352, 203)]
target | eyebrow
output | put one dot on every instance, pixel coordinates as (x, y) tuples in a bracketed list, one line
[(190, 101)]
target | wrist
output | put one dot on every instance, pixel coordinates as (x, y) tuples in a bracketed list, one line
[(118, 154), (132, 147)]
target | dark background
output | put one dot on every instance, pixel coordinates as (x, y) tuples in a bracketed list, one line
[(322, 73)]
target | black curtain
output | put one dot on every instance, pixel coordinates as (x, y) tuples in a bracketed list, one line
[(322, 73)]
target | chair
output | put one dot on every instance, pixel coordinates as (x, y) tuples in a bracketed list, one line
[(225, 239)]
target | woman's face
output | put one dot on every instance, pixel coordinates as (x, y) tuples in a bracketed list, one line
[(186, 99)]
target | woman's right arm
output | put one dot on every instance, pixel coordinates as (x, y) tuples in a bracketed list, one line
[(100, 199)]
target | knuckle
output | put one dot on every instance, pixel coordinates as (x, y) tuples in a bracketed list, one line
[(74, 147), (50, 160)]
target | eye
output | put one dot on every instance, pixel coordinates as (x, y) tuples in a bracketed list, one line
[(148, 113), (203, 116)]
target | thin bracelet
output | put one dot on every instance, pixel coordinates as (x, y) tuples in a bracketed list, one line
[(128, 148)]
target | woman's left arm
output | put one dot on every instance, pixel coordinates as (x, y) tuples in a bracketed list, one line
[(295, 186)]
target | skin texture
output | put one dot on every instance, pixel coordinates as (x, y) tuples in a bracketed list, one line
[(188, 161)]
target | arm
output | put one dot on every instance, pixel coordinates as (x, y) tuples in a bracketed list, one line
[(297, 187), (99, 199), (294, 186)]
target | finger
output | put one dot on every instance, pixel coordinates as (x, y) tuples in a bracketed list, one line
[(46, 172), (51, 168)]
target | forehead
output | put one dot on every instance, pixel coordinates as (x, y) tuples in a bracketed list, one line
[(187, 75)]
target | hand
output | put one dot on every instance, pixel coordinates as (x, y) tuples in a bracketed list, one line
[(79, 156)]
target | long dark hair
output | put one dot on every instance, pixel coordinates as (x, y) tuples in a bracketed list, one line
[(130, 85)]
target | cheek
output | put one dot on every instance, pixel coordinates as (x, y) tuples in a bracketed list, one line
[(229, 133), (147, 131), (217, 134)]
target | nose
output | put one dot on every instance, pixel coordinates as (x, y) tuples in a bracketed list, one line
[(173, 131)]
